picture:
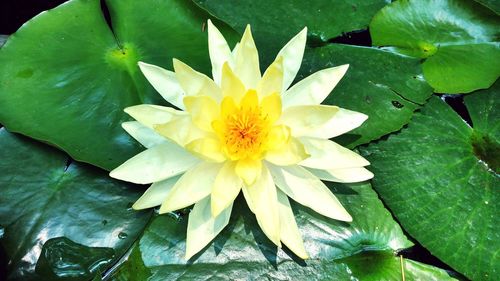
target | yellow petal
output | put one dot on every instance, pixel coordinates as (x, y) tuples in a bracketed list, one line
[(271, 107), (203, 110), (164, 82), (195, 83), (202, 227), (208, 149), (315, 88), (248, 170), (292, 54), (290, 153), (289, 232), (150, 115), (345, 175), (272, 80), (249, 101), (326, 154), (155, 164), (308, 190), (180, 130), (155, 194), (278, 137), (226, 188), (231, 85), (193, 186), (219, 51), (265, 205), (146, 136), (248, 199), (247, 61)]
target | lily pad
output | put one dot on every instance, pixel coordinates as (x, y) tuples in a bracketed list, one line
[(338, 250), (275, 22), (388, 87), (65, 77), (43, 197), (457, 40), (442, 184)]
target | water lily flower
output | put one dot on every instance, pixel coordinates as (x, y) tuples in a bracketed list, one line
[(242, 131)]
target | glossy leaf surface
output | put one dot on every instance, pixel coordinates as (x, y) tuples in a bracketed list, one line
[(441, 183), (42, 197)]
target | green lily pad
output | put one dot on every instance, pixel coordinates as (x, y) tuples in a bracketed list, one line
[(338, 250), (275, 22), (492, 4), (386, 86), (457, 40), (65, 77), (43, 197), (437, 178)]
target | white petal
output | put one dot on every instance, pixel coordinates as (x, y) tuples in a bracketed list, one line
[(202, 227), (193, 186), (308, 190), (246, 64), (195, 83), (219, 51), (248, 199), (155, 164), (150, 115), (314, 88), (346, 175), (264, 203), (226, 188), (326, 154), (146, 136), (164, 82), (321, 121), (289, 231), (155, 194), (292, 54)]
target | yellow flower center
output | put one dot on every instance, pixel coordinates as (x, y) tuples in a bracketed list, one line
[(244, 129)]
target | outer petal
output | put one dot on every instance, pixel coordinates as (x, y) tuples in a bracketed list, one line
[(247, 61), (272, 81), (289, 231), (150, 115), (343, 175), (326, 154), (203, 110), (309, 120), (164, 82), (264, 203), (314, 88), (195, 83), (208, 149), (180, 130), (290, 153), (219, 51), (155, 194), (231, 85), (309, 191), (248, 170), (155, 164), (226, 188), (146, 136), (193, 186), (202, 227), (292, 54)]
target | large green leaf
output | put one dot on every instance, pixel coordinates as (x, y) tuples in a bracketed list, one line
[(458, 40), (363, 249), (438, 177), (65, 77), (42, 197), (275, 22), (387, 87)]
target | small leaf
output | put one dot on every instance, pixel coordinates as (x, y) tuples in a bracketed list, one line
[(458, 40)]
